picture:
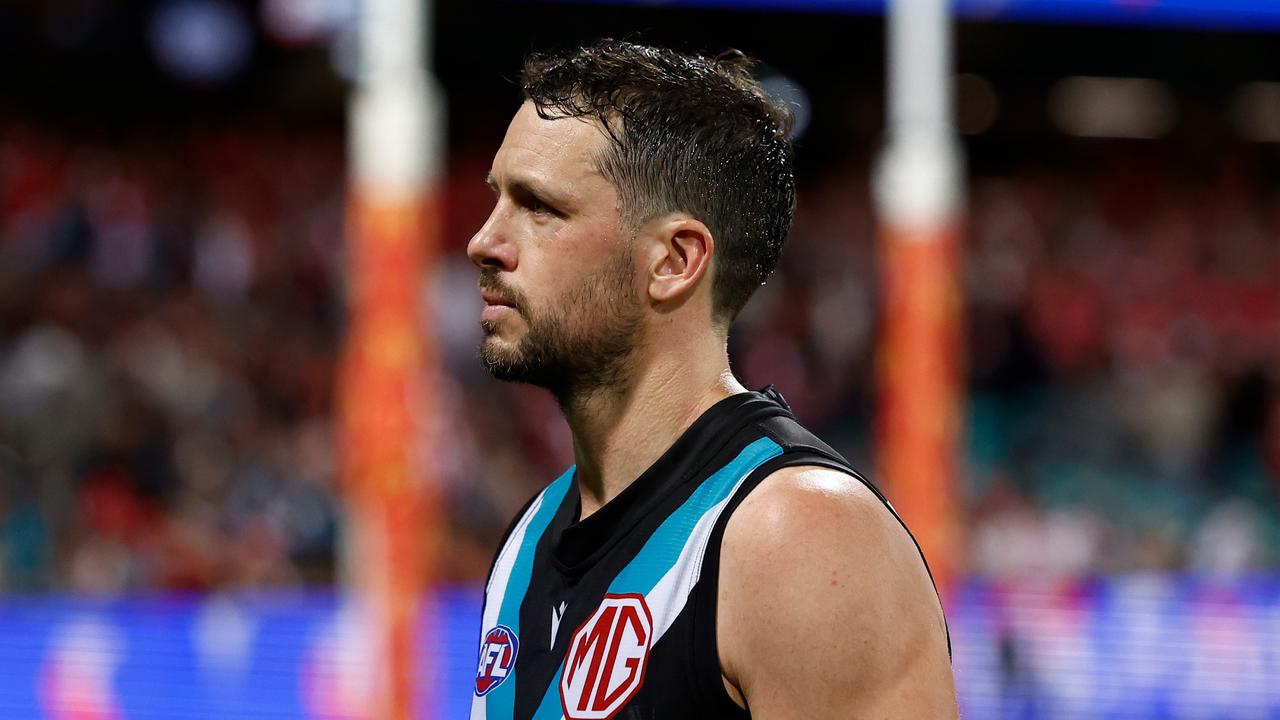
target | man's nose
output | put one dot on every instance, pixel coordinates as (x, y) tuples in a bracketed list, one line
[(491, 247)]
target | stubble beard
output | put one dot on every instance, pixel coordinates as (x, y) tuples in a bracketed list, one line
[(583, 345)]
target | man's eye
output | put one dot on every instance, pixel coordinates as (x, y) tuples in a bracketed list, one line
[(537, 207)]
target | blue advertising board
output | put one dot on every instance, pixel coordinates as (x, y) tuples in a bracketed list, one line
[(1156, 647)]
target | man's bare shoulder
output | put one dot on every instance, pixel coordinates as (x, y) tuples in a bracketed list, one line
[(824, 606)]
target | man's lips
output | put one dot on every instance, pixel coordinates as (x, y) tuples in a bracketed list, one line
[(495, 305), (493, 298)]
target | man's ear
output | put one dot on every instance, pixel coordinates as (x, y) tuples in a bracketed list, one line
[(682, 249)]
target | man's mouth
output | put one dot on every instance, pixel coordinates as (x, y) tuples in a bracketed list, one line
[(492, 298), (496, 304)]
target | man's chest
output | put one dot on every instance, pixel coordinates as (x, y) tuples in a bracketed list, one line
[(592, 618), (591, 656), (580, 648)]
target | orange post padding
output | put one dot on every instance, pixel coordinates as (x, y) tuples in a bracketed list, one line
[(920, 368), (389, 365)]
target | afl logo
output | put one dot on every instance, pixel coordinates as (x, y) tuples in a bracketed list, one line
[(497, 658), (606, 661)]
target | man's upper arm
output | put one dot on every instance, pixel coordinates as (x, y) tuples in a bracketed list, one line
[(824, 607)]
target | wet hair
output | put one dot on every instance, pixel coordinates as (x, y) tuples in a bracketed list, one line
[(687, 133)]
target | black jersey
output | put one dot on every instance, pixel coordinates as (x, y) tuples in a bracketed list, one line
[(614, 616)]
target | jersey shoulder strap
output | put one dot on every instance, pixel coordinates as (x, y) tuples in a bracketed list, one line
[(800, 448), (803, 448)]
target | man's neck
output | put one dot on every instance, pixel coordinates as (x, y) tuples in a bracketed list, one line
[(619, 432)]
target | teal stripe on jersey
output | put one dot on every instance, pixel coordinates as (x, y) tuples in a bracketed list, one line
[(500, 702), (668, 542), (550, 708)]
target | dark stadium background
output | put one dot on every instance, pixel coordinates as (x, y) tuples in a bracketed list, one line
[(171, 259)]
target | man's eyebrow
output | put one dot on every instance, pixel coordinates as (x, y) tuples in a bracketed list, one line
[(529, 187)]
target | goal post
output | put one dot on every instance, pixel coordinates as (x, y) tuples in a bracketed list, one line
[(389, 371), (920, 353)]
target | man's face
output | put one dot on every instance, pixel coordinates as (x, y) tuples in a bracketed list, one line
[(563, 308)]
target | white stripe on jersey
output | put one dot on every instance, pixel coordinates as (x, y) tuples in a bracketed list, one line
[(669, 596), (498, 579)]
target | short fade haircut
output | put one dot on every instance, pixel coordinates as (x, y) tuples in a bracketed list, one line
[(689, 134)]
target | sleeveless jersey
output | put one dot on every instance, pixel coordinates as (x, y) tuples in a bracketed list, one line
[(614, 616)]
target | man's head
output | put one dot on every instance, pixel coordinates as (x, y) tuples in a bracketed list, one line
[(634, 181)]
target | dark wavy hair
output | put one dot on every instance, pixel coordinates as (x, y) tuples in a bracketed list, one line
[(687, 134)]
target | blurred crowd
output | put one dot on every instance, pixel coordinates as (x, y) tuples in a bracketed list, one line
[(169, 315), (171, 309), (1125, 363)]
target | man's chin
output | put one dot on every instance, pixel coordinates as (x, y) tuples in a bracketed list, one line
[(502, 359), (513, 364)]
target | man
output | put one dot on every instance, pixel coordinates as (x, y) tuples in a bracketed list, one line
[(706, 556)]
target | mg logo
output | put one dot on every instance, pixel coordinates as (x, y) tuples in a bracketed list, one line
[(497, 658), (607, 655)]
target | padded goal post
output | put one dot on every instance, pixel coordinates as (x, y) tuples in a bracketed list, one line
[(920, 353), (389, 366)]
